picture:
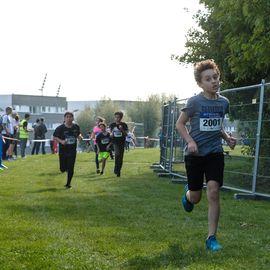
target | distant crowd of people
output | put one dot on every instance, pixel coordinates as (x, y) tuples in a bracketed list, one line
[(14, 130), (109, 140)]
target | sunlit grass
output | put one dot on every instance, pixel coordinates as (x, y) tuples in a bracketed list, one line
[(132, 222)]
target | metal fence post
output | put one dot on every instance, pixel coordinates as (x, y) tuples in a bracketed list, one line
[(172, 112), (258, 138)]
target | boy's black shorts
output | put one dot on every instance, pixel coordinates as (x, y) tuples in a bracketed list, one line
[(211, 166)]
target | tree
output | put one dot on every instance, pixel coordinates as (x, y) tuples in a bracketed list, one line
[(106, 108), (148, 112), (86, 120), (237, 35)]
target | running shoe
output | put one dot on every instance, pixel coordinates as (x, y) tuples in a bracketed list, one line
[(212, 243), (188, 206), (3, 166)]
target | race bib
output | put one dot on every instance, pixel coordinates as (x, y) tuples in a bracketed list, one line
[(117, 133), (210, 121), (105, 141), (71, 140)]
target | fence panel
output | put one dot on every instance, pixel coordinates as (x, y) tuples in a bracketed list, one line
[(244, 108), (178, 141), (247, 167), (263, 175), (165, 139)]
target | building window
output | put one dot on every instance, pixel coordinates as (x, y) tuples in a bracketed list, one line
[(55, 125), (24, 108), (33, 109), (49, 125), (52, 109)]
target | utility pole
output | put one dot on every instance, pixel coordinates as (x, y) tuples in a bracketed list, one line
[(43, 84), (58, 90)]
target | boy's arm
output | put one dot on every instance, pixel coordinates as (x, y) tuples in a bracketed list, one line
[(109, 146), (59, 140), (56, 136), (123, 128), (4, 124), (93, 135), (80, 137), (182, 129), (98, 149), (24, 126), (231, 141)]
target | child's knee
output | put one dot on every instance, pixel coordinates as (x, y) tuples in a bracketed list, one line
[(195, 196)]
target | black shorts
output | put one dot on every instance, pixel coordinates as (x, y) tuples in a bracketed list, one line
[(211, 166)]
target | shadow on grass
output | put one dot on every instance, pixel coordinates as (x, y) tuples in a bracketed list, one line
[(174, 256), (54, 173), (85, 175), (45, 190)]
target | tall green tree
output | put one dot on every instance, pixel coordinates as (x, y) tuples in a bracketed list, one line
[(237, 35)]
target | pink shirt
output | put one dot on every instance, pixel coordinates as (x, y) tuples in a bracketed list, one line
[(96, 131)]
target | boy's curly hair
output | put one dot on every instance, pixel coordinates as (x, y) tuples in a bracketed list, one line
[(201, 66)]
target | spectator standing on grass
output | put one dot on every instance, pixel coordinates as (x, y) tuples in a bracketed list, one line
[(44, 130), (103, 142), (24, 133), (204, 153), (95, 132), (13, 136), (7, 132), (16, 127), (119, 132), (37, 137), (66, 135)]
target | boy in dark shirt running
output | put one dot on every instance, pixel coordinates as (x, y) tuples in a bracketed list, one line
[(103, 143), (66, 135), (119, 132)]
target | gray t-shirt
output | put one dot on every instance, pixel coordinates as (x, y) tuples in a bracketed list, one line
[(206, 120)]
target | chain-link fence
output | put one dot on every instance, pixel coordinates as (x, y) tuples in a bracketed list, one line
[(247, 167)]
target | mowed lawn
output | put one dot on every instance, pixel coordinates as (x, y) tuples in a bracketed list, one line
[(132, 222)]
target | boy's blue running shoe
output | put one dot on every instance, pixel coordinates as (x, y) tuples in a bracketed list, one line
[(213, 244), (188, 206)]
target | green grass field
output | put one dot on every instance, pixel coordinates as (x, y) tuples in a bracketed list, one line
[(132, 222)]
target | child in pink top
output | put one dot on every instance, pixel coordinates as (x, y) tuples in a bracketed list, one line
[(95, 132)]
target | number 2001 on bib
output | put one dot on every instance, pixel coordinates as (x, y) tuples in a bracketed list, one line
[(210, 121)]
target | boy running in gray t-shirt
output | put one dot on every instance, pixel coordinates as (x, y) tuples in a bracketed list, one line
[(204, 153)]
